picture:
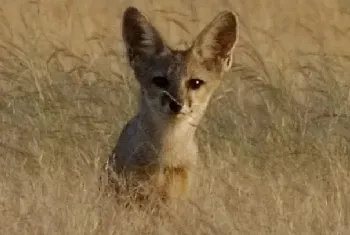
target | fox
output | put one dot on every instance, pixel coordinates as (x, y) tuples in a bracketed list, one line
[(157, 150)]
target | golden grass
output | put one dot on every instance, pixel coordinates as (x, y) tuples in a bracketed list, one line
[(275, 141)]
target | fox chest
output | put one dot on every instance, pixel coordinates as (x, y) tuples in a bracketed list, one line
[(178, 153)]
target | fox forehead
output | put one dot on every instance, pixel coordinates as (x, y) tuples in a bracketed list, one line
[(179, 67), (175, 65)]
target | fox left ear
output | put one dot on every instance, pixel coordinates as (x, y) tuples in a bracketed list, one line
[(140, 37), (215, 44)]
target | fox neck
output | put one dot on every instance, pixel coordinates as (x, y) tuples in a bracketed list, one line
[(161, 128)]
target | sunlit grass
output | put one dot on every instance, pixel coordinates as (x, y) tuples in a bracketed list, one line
[(274, 142)]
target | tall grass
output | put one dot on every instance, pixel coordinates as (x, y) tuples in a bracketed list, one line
[(274, 142)]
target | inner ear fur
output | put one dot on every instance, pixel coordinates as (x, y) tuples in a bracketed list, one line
[(140, 37), (215, 43)]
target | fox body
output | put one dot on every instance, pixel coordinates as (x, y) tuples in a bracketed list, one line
[(157, 147)]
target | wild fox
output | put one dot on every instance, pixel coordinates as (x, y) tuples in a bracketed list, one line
[(157, 147)]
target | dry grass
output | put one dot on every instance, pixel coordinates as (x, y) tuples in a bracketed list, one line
[(275, 140)]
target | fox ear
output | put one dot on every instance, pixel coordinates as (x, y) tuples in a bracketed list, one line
[(139, 35), (214, 45)]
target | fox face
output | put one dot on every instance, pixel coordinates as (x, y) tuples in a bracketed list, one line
[(178, 84)]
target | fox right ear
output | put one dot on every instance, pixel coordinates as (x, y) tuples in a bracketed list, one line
[(214, 45), (140, 37)]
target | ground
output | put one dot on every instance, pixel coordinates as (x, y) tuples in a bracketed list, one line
[(274, 143)]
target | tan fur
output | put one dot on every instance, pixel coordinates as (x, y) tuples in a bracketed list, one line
[(157, 147)]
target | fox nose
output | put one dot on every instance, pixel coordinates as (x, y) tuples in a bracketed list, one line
[(175, 106)]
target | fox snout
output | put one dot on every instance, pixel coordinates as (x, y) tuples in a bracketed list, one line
[(174, 105)]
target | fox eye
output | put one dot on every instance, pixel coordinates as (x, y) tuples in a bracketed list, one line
[(160, 81), (195, 83)]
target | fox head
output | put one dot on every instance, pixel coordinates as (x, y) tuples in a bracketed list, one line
[(178, 84)]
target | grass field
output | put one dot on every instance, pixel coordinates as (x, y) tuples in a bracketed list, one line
[(275, 142)]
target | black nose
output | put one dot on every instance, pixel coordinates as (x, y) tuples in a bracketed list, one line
[(175, 106)]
